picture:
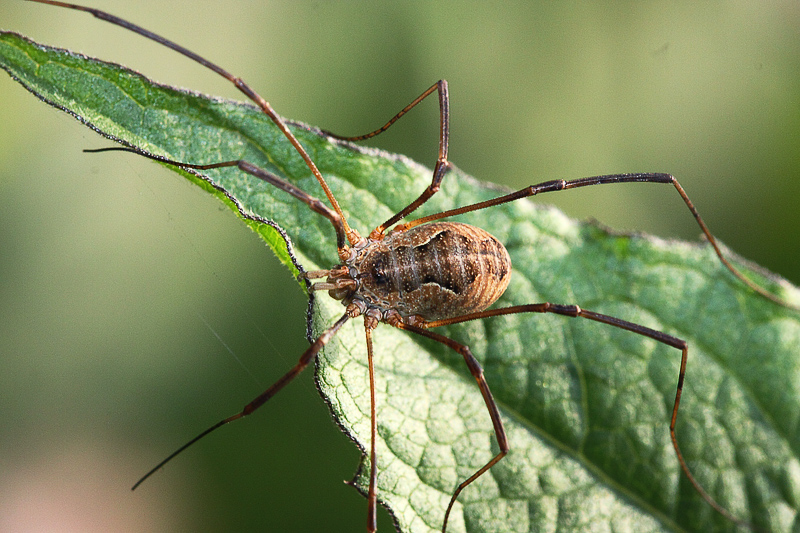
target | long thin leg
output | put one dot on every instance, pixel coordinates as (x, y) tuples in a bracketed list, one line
[(238, 82), (314, 203), (494, 413), (560, 185), (372, 495), (305, 359), (669, 340), (442, 164)]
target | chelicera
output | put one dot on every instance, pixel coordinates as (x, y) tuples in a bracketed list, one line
[(423, 273)]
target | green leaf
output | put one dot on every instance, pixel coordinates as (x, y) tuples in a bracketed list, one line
[(586, 406)]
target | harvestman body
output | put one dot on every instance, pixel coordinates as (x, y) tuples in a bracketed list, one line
[(424, 273)]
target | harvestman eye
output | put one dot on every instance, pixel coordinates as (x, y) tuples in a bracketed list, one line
[(424, 273)]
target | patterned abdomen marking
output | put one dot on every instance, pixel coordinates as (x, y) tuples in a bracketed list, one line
[(434, 271)]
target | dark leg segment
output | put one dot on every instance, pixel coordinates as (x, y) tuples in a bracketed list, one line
[(560, 185), (372, 495), (494, 413), (315, 204), (305, 359), (442, 164), (669, 340)]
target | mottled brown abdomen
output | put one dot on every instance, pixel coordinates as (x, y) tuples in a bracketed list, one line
[(434, 271)]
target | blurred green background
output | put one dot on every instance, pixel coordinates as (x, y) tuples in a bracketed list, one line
[(124, 291)]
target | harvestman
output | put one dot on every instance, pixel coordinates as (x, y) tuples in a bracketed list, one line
[(422, 274)]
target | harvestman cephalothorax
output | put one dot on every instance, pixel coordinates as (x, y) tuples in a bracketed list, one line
[(424, 273)]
